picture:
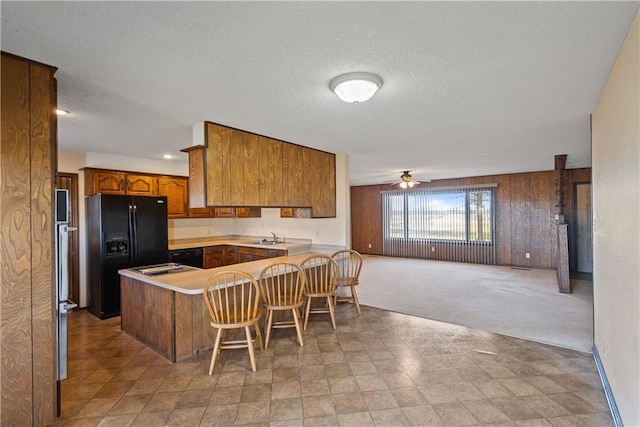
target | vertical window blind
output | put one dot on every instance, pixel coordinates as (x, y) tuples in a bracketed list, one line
[(449, 224)]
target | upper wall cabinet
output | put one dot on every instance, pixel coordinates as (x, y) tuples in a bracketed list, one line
[(238, 168), (136, 184), (118, 182)]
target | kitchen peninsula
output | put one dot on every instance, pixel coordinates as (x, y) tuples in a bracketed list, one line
[(167, 312)]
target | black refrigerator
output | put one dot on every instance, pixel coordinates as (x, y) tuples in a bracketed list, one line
[(123, 232)]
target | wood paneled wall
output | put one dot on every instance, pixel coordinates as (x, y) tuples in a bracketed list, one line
[(525, 215), (27, 158)]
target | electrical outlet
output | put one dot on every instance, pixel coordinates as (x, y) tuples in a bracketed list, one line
[(369, 245), (527, 255), (433, 248)]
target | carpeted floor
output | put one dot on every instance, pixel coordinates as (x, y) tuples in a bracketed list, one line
[(523, 303)]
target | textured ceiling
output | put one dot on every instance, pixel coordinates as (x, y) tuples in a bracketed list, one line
[(470, 88)]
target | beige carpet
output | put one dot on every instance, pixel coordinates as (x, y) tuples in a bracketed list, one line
[(516, 302)]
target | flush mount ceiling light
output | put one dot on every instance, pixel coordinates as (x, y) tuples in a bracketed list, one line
[(355, 87), (167, 156), (61, 112)]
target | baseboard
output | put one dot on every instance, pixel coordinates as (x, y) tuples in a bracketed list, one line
[(617, 420)]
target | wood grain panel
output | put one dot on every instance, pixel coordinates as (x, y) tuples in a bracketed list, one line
[(235, 166), (276, 184), (142, 185), (149, 315), (521, 227), (197, 177), (251, 167), (524, 215), (27, 315), (366, 219), (177, 191), (536, 205), (290, 196), (564, 283), (215, 159), (503, 219), (263, 171), (43, 316), (106, 182), (130, 303), (325, 206), (16, 329), (183, 326), (305, 173)]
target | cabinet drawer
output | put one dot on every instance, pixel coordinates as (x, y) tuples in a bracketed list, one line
[(253, 251), (276, 252), (230, 255)]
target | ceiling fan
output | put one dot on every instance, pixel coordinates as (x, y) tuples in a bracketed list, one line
[(407, 181)]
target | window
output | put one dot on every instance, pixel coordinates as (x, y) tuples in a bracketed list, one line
[(437, 216)]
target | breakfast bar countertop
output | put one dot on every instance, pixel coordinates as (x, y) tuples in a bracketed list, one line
[(192, 282), (294, 246)]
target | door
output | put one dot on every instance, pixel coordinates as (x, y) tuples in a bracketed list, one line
[(69, 181), (584, 235), (151, 241)]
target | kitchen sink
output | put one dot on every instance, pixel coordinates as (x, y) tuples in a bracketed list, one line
[(267, 242)]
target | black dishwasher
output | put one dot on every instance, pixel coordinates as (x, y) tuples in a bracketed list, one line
[(191, 256)]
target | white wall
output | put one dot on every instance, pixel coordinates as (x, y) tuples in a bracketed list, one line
[(136, 164), (324, 232), (616, 214)]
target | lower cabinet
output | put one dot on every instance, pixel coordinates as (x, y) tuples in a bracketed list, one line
[(213, 256), (252, 254), (230, 255), (218, 256)]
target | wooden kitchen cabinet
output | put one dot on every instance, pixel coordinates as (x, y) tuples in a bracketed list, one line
[(106, 181), (252, 254), (322, 177), (295, 213), (230, 255), (235, 168), (202, 213), (225, 212), (276, 252), (141, 185), (119, 182), (103, 181), (248, 212), (213, 256), (176, 188)]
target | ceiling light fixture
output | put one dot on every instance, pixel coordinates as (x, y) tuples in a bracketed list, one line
[(167, 156), (355, 87), (406, 180), (61, 112)]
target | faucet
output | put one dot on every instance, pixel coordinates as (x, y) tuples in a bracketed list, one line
[(275, 239)]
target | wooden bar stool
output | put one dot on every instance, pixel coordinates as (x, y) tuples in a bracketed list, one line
[(233, 300), (349, 266), (281, 288), (321, 273)]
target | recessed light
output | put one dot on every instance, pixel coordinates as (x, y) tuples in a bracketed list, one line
[(61, 112), (167, 156)]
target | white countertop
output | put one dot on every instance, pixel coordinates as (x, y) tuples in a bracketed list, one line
[(192, 282), (292, 247)]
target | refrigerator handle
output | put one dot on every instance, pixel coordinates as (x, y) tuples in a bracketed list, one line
[(132, 243), (134, 225)]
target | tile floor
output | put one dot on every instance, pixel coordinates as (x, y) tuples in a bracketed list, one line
[(382, 368)]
